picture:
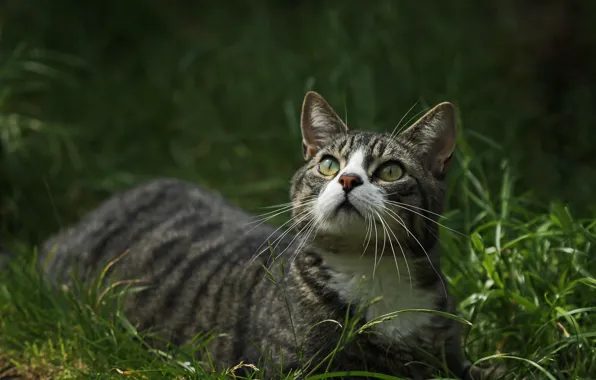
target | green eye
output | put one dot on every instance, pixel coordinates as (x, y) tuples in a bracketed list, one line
[(390, 172), (328, 166)]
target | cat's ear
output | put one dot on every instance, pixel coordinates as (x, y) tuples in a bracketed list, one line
[(435, 135), (319, 123)]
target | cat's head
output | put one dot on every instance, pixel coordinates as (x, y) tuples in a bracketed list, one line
[(357, 188)]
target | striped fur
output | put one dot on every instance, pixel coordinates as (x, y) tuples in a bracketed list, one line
[(198, 257)]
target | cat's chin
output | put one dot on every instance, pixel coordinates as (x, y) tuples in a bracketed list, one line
[(346, 221)]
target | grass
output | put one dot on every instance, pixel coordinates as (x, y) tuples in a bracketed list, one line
[(99, 96)]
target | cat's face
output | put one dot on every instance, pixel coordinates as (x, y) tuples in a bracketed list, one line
[(362, 187)]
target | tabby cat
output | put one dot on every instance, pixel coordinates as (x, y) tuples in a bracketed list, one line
[(364, 210)]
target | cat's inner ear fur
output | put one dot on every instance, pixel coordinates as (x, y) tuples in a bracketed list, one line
[(319, 123), (435, 135)]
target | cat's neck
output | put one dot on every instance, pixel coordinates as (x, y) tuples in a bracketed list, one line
[(384, 284), (375, 260), (407, 249)]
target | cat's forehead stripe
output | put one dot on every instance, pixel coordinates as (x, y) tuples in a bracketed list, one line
[(343, 145), (373, 145), (376, 145), (348, 145)]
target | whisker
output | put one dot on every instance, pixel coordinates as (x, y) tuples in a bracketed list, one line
[(304, 241), (393, 249), (376, 239), (267, 218), (277, 205), (370, 218), (402, 119), (281, 210), (433, 234), (277, 209), (410, 120), (313, 224), (403, 224), (371, 212), (289, 229), (414, 207), (291, 203), (426, 217), (303, 213), (307, 225), (384, 241), (294, 222), (403, 254), (309, 232)]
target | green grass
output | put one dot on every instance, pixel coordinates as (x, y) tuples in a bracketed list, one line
[(97, 96)]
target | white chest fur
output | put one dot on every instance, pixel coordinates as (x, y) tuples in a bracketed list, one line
[(355, 283)]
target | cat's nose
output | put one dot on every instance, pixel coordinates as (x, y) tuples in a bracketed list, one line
[(349, 181)]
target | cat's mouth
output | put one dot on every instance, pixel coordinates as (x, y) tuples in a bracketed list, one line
[(346, 207)]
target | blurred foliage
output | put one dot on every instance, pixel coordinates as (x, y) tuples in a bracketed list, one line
[(96, 96)]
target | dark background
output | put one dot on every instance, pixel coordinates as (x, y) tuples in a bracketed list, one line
[(97, 96)]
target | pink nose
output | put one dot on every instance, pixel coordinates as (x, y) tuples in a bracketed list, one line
[(349, 181)]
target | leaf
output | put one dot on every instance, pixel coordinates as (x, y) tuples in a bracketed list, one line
[(528, 305), (127, 325), (477, 242), (393, 315), (528, 361), (562, 215), (489, 265)]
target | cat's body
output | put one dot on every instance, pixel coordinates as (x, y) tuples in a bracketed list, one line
[(198, 255)]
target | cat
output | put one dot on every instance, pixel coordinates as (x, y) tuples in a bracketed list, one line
[(364, 210)]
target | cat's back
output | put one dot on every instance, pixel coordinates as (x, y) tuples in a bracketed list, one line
[(190, 251), (150, 222)]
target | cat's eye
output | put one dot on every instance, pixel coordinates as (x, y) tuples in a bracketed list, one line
[(390, 172), (329, 166)]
